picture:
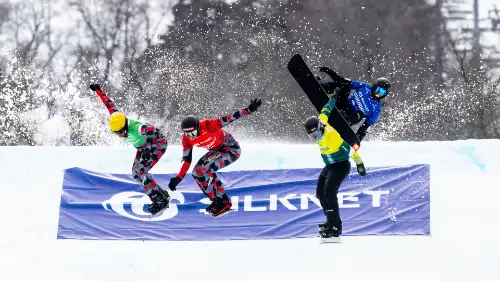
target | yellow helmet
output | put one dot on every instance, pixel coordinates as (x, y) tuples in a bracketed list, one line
[(117, 122)]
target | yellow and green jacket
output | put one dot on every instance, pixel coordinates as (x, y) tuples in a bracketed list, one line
[(333, 148)]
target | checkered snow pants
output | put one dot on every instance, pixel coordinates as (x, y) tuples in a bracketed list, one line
[(204, 172), (141, 167)]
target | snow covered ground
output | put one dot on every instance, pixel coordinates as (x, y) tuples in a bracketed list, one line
[(465, 221)]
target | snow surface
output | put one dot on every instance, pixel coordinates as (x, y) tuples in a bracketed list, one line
[(465, 221)]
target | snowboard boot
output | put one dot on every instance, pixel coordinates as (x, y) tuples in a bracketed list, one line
[(209, 207), (328, 230), (161, 201), (332, 221), (221, 205), (321, 226)]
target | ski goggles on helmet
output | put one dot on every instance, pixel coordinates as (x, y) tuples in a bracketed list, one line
[(191, 132), (380, 92), (119, 132)]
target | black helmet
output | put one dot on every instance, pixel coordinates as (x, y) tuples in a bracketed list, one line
[(312, 124), (381, 88), (190, 123)]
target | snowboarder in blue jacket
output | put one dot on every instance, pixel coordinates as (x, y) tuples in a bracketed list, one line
[(356, 99)]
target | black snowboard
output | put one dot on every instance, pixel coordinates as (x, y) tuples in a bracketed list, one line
[(318, 97)]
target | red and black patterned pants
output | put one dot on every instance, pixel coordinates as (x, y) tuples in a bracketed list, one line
[(204, 173), (141, 167)]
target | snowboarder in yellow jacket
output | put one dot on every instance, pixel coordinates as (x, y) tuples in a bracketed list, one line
[(336, 154)]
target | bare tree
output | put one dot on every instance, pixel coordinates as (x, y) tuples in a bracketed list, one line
[(104, 24), (477, 87), (112, 36), (27, 33)]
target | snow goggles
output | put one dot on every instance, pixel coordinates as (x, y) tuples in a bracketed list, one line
[(380, 92), (119, 132), (191, 132), (313, 135)]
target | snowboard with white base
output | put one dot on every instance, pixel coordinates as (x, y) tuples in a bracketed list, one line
[(223, 214), (330, 240)]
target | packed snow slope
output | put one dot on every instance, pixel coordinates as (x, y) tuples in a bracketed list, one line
[(465, 222)]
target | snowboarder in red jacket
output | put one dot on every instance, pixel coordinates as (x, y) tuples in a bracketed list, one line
[(223, 150)]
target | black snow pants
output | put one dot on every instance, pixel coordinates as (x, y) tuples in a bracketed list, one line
[(329, 181)]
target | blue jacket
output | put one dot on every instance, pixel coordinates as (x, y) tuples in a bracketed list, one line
[(361, 100)]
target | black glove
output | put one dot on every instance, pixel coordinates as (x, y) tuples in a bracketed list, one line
[(95, 87), (335, 77), (146, 154), (174, 182), (361, 169), (360, 166), (254, 104)]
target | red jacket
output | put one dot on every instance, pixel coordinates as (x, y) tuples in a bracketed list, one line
[(210, 136)]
